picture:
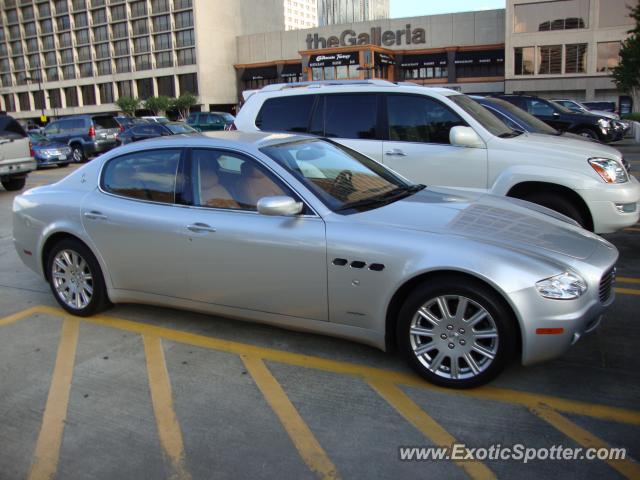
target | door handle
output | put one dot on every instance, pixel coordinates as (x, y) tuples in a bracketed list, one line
[(200, 227), (93, 215), (395, 152)]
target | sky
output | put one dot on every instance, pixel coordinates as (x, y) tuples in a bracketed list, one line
[(416, 8)]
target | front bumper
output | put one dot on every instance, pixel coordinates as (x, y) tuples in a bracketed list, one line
[(604, 204), (55, 160)]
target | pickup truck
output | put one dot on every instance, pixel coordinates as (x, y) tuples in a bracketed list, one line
[(16, 160)]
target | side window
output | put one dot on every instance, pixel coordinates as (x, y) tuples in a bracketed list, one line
[(510, 123), (351, 116), (64, 126), (540, 108), (285, 114), (414, 118), (192, 118), (9, 128), (226, 180), (149, 175), (52, 128)]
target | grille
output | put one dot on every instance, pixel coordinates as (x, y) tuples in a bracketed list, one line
[(606, 284)]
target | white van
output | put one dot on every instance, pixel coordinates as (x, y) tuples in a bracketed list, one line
[(440, 137)]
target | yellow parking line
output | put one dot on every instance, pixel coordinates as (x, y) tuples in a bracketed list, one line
[(627, 467), (347, 368), (162, 400), (627, 291), (627, 280), (20, 315), (302, 437), (47, 452), (427, 425)]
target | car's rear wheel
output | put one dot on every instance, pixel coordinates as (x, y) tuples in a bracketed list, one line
[(559, 204), (76, 279), (456, 333), (77, 154), (13, 184)]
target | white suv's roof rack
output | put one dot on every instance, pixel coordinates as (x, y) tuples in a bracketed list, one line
[(274, 87)]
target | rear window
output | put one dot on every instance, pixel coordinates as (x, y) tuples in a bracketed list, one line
[(286, 114), (9, 128), (105, 122)]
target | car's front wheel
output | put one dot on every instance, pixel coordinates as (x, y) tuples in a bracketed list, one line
[(77, 154), (76, 279), (456, 332), (13, 184)]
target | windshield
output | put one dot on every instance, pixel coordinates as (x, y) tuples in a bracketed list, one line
[(535, 125), (483, 116), (37, 137), (228, 117), (179, 128), (343, 179)]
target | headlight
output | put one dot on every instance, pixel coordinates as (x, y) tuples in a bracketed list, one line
[(604, 123), (565, 286), (609, 170)]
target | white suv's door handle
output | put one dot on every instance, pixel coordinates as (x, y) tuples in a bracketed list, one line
[(200, 227), (93, 215), (395, 152)]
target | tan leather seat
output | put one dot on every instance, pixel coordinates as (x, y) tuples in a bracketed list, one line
[(212, 192), (253, 185)]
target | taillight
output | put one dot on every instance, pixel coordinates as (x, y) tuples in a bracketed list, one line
[(232, 126), (92, 131), (122, 128), (32, 152)]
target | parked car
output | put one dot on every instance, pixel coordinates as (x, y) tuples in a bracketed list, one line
[(207, 121), (48, 152), (156, 119), (153, 130), (563, 119), (15, 156), (620, 127), (87, 135), (126, 122), (437, 136), (459, 281), (602, 106)]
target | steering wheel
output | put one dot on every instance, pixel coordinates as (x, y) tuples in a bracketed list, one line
[(342, 185)]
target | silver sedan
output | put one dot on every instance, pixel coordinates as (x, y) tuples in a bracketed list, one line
[(307, 234)]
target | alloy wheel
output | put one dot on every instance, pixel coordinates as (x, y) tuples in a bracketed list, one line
[(72, 279)]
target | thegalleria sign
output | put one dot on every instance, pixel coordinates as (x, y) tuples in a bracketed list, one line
[(376, 36)]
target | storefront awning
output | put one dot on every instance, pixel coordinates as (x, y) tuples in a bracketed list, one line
[(260, 73), (384, 59), (291, 70), (480, 57), (333, 59), (427, 60)]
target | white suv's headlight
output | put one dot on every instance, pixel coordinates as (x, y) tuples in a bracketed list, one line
[(609, 170), (565, 286)]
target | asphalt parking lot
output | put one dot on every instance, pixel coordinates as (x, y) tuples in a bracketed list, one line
[(143, 392)]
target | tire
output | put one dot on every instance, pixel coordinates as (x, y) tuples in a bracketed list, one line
[(586, 132), (64, 282), (77, 154), (63, 165), (422, 312), (559, 204), (13, 184)]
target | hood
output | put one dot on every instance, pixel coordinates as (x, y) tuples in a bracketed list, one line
[(603, 113), (566, 144), (49, 144), (509, 223)]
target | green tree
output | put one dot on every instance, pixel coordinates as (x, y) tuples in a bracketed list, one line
[(627, 74), (184, 103), (128, 105), (158, 105)]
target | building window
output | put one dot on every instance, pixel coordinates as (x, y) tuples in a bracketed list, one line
[(139, 9), (184, 19), (159, 6), (104, 67), (64, 40), (121, 47), (9, 102), (141, 45), (614, 13), (188, 83), (123, 65), (16, 48), (14, 32), (38, 100), (99, 16), (102, 51), (66, 56), (119, 30), (145, 88), (97, 3), (50, 59), (32, 45), (6, 80), (524, 60), (164, 60), (125, 89), (24, 101), (69, 73), (61, 6), (86, 70), (18, 63), (44, 10), (84, 54), (46, 26), (143, 62), (166, 86), (162, 42), (140, 27), (550, 59), (185, 39), (34, 61), (187, 56), (5, 65), (71, 96), (101, 34), (161, 23), (77, 5), (118, 12), (556, 15), (575, 60), (608, 56), (63, 23), (80, 20), (82, 37), (48, 43), (12, 16), (27, 13), (106, 93), (88, 95), (55, 100), (30, 29), (52, 74), (180, 4)]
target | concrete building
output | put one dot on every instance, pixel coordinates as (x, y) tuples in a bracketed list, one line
[(300, 14), (565, 48), (336, 12)]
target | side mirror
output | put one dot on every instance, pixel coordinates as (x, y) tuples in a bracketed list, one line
[(465, 137), (279, 205)]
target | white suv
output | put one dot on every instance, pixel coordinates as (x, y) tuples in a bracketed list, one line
[(16, 160), (440, 137)]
